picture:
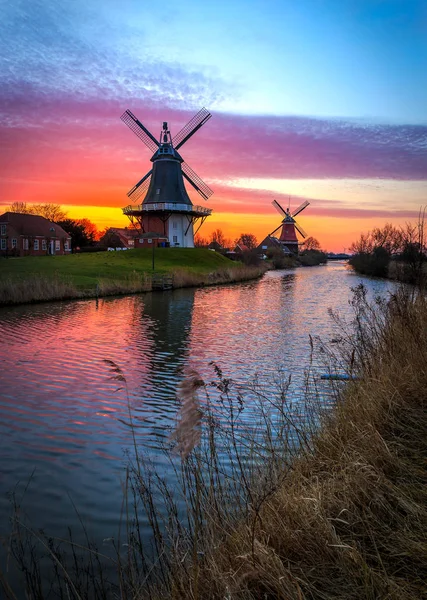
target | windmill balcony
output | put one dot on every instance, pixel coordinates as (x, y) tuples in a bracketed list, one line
[(168, 207)]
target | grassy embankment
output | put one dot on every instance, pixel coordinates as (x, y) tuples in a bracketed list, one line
[(300, 513), (34, 279)]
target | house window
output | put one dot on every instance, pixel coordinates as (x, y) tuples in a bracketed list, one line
[(25, 243), (175, 225), (66, 246), (36, 244), (14, 243), (3, 230), (175, 239), (44, 245), (149, 241), (158, 191), (3, 244), (57, 245)]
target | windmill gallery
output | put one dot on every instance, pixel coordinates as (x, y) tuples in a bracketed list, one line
[(167, 215)]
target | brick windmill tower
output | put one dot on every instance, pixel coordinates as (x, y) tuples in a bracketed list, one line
[(167, 210), (288, 236)]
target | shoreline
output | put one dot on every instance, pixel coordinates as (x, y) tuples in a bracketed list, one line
[(37, 290)]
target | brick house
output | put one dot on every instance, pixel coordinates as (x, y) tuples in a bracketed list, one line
[(121, 237), (31, 235), (148, 240)]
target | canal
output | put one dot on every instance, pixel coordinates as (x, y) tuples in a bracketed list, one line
[(64, 430)]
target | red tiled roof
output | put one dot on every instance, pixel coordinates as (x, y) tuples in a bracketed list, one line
[(33, 225)]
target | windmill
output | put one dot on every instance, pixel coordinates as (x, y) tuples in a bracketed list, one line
[(166, 210), (288, 236)]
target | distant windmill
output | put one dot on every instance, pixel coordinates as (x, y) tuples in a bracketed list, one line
[(288, 236), (167, 209)]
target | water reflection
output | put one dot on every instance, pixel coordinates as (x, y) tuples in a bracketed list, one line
[(63, 416)]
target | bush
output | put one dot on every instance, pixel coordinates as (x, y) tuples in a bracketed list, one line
[(374, 264), (310, 258), (279, 259)]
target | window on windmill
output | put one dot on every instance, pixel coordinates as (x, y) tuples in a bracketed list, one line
[(175, 239), (158, 191), (175, 225)]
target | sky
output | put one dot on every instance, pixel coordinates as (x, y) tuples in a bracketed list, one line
[(319, 100)]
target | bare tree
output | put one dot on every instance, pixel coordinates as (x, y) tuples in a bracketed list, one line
[(311, 243), (248, 240), (200, 242), (219, 237), (51, 212)]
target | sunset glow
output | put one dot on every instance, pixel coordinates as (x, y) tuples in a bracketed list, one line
[(313, 100)]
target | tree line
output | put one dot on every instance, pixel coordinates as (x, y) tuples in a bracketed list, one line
[(82, 231), (376, 251)]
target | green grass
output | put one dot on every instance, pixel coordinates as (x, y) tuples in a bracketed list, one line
[(44, 278), (85, 271)]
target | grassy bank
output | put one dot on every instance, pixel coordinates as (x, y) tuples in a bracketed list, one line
[(285, 511), (35, 279)]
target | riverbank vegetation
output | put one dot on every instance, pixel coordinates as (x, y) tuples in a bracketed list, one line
[(287, 509), (32, 279), (395, 253), (306, 258)]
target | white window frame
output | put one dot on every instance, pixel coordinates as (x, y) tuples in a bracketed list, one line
[(25, 244), (149, 241), (66, 247), (44, 245), (3, 244), (57, 245), (175, 239), (3, 229), (14, 243), (36, 245)]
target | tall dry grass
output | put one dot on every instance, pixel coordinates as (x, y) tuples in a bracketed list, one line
[(233, 274), (37, 289), (283, 508), (43, 289)]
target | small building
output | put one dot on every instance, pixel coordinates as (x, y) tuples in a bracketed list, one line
[(271, 242), (150, 239), (119, 237), (216, 246), (31, 235), (240, 248)]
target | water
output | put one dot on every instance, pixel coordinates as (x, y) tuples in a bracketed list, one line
[(63, 420)]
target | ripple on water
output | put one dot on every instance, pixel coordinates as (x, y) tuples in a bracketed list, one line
[(65, 419)]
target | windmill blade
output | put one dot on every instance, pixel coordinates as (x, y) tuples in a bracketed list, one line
[(138, 128), (278, 207), (190, 129), (300, 208), (300, 230), (275, 230), (140, 187), (197, 183)]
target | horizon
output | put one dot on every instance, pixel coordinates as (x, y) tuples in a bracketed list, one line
[(321, 102)]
